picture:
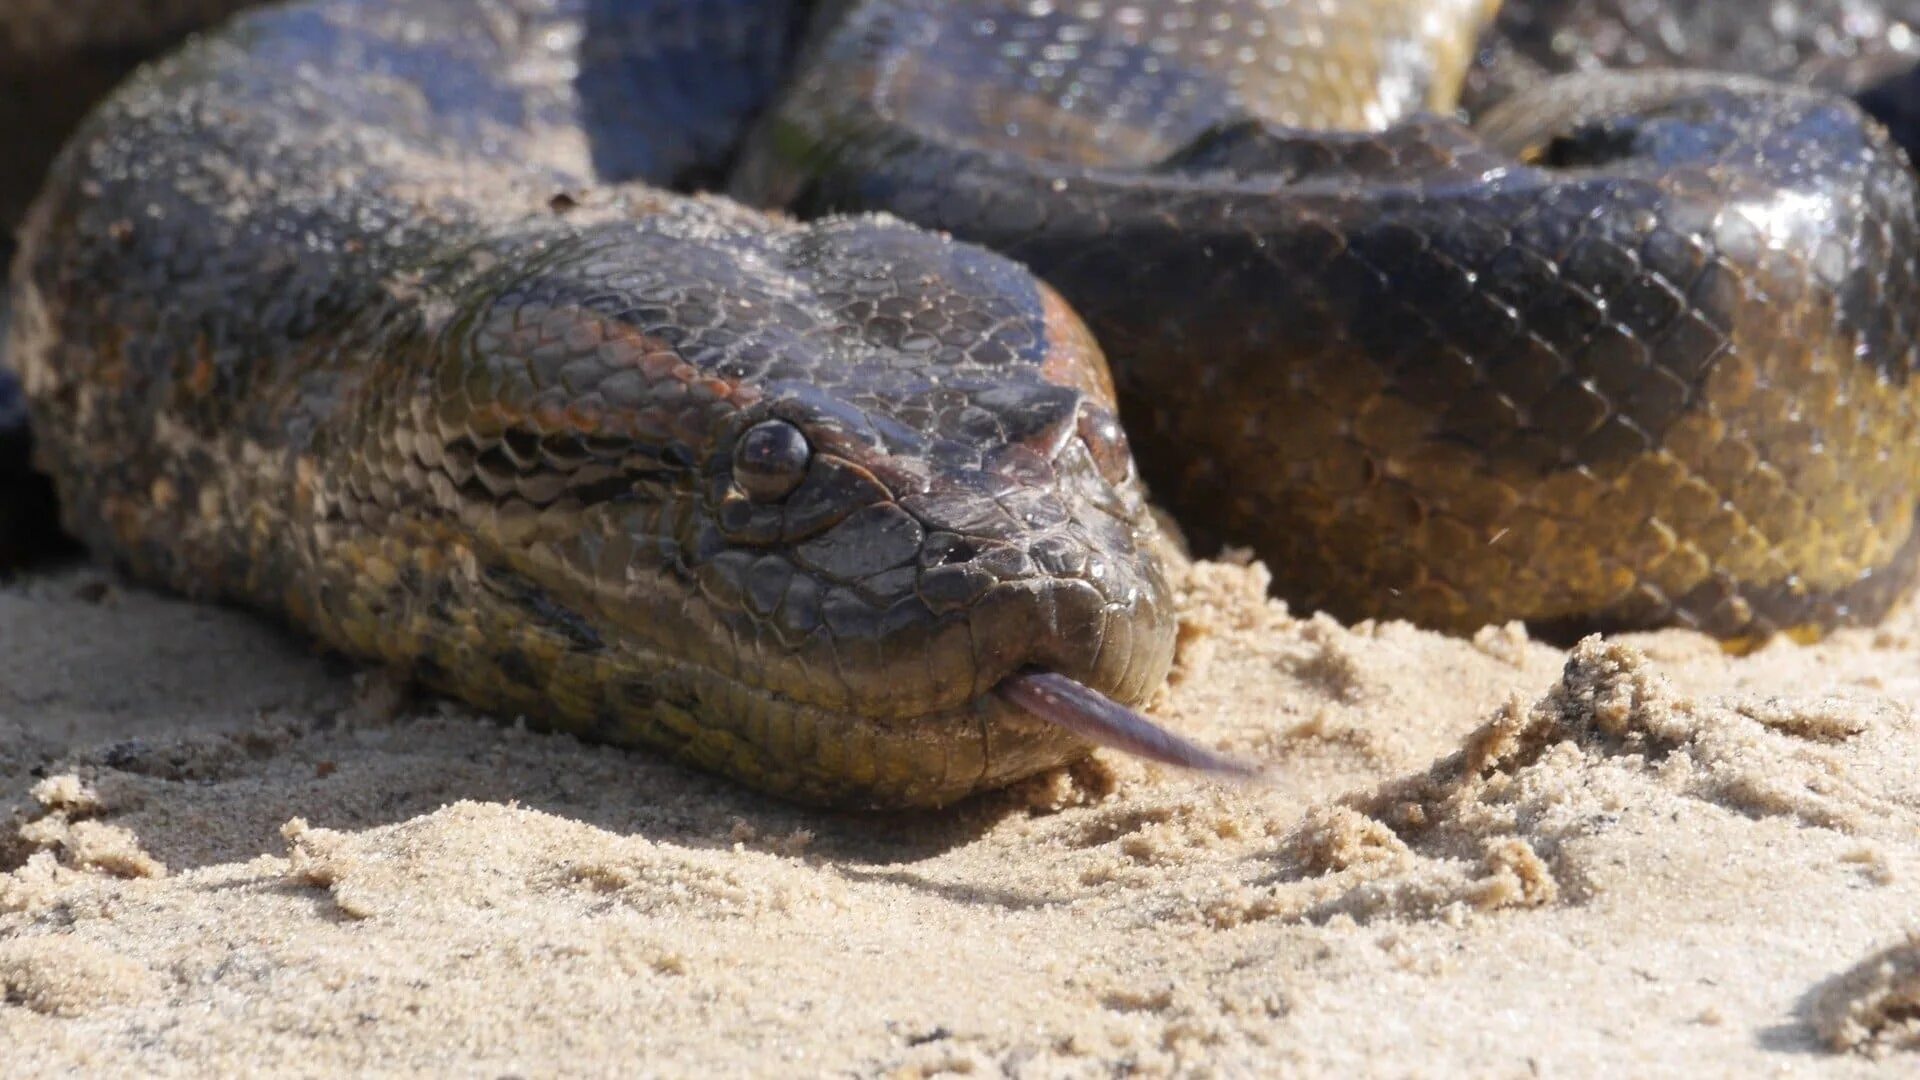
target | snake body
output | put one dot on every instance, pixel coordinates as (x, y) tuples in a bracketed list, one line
[(57, 57), (1630, 351), (405, 363), (381, 314)]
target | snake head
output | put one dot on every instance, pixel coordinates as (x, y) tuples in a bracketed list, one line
[(817, 493)]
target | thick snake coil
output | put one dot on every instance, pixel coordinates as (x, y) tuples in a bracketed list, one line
[(370, 313)]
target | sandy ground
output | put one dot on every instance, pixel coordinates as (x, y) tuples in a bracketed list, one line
[(1490, 856)]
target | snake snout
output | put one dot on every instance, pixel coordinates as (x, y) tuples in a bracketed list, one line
[(1064, 605), (850, 548), (1108, 635)]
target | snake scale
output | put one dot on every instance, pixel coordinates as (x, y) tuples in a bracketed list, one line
[(390, 316)]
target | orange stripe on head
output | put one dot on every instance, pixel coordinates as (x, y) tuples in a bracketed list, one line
[(659, 361), (1073, 358), (617, 345)]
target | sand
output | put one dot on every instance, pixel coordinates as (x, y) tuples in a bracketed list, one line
[(224, 852)]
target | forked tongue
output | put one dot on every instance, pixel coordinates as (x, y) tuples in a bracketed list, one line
[(1100, 720)]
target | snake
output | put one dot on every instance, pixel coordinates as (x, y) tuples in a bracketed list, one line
[(780, 385), (57, 57)]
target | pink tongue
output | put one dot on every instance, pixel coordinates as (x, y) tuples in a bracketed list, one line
[(1100, 720)]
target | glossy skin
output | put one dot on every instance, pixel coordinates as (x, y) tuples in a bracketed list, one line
[(416, 357), (57, 58), (1843, 45), (365, 313), (1636, 352), (1865, 49)]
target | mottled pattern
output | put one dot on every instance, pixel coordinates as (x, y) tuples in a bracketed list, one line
[(1838, 44), (1636, 353), (411, 352), (57, 58), (370, 312), (1866, 49)]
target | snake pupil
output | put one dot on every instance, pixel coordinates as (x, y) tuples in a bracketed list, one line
[(770, 460)]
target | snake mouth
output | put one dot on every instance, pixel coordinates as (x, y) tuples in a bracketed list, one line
[(1093, 717)]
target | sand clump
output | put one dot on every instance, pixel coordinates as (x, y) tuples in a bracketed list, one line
[(1480, 855), (1874, 1008)]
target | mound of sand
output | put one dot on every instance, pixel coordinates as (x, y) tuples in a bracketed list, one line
[(224, 852)]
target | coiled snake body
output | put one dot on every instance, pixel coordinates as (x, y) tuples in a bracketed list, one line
[(372, 313)]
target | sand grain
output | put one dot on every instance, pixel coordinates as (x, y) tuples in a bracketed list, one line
[(1488, 855)]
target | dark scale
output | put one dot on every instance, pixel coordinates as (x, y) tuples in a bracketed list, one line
[(385, 316), (1542, 365), (414, 354)]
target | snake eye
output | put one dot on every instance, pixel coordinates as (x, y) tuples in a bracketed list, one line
[(770, 460), (1100, 430)]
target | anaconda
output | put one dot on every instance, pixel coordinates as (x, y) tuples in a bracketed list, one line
[(381, 315), (58, 57), (1629, 350)]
